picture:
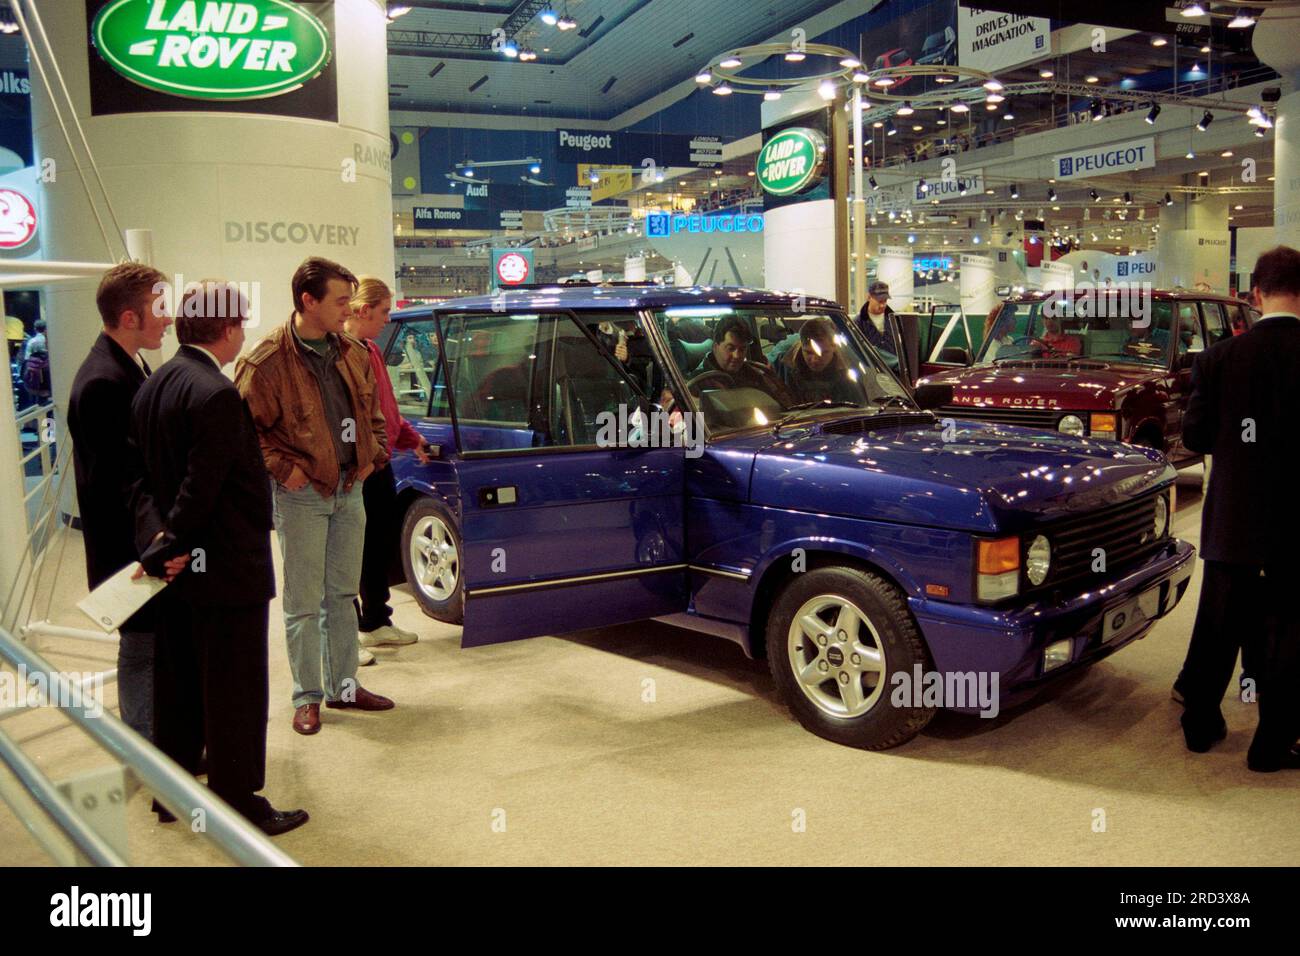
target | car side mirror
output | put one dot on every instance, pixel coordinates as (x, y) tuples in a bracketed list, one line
[(954, 355), (933, 396)]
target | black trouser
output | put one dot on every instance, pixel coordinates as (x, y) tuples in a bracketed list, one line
[(379, 492), (1240, 610), (211, 687)]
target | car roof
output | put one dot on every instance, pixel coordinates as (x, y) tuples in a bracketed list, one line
[(606, 297)]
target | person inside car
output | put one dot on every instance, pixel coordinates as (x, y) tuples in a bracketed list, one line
[(1057, 342), (728, 364), (814, 370)]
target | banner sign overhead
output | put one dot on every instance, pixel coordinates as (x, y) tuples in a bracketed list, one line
[(992, 41), (637, 150), (1104, 160)]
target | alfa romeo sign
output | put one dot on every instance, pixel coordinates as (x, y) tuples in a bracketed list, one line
[(212, 49), (790, 161), (512, 269), (17, 219)]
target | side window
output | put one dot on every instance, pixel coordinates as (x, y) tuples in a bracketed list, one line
[(583, 385), (1189, 338), (491, 361), (1217, 327), (411, 358)]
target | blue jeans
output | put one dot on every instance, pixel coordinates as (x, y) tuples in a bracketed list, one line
[(135, 680), (321, 542)]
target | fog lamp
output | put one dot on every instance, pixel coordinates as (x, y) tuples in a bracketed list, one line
[(1055, 655)]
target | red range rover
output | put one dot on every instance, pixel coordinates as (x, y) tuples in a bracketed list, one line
[(1113, 366)]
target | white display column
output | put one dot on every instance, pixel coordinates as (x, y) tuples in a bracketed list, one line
[(227, 195), (894, 267), (799, 239), (634, 268), (1194, 245), (1275, 44), (978, 283)]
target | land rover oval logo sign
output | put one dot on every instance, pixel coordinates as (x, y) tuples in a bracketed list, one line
[(212, 49), (790, 160)]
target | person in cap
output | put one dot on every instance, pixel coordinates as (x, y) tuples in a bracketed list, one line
[(879, 324)]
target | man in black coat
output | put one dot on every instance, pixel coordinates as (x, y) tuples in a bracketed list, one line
[(205, 494), (1245, 396), (135, 317), (879, 324)]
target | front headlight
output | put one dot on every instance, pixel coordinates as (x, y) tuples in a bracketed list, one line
[(1162, 516), (1070, 425), (1038, 560)]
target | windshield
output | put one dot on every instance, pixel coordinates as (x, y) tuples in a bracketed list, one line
[(748, 366), (1021, 330)]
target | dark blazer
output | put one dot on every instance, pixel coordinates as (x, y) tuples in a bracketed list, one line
[(1251, 513), (889, 344), (99, 418), (204, 483)]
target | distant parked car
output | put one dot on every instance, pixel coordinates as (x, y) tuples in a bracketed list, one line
[(940, 48), (896, 57), (1095, 376)]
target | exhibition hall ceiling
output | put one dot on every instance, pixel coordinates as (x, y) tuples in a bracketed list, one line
[(620, 54)]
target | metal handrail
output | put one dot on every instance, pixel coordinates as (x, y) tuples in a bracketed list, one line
[(225, 828)]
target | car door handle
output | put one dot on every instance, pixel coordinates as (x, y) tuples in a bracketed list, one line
[(498, 496)]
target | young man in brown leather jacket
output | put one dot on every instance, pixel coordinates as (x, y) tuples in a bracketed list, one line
[(311, 392)]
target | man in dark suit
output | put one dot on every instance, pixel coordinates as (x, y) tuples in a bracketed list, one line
[(879, 323), (1245, 395), (135, 317), (205, 494)]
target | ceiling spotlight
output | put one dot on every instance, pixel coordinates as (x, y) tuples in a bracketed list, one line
[(1205, 122), (922, 185), (917, 127), (885, 81), (510, 48), (961, 186), (890, 128), (1015, 191), (871, 181), (1153, 113), (730, 63), (567, 22), (1226, 154), (1206, 48), (1008, 114), (906, 109), (549, 16), (395, 10), (1158, 41), (535, 169), (1193, 10), (992, 85), (960, 108), (1094, 195), (994, 98), (704, 76), (722, 89), (468, 171), (1091, 79), (1098, 110), (593, 176), (990, 106), (1128, 199), (944, 78), (941, 122), (850, 62), (794, 56), (1046, 74), (771, 95), (826, 90), (1241, 21), (1169, 200), (1259, 131), (527, 55), (860, 75), (1051, 195)]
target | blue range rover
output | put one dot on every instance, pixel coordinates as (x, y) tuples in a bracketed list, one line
[(806, 506)]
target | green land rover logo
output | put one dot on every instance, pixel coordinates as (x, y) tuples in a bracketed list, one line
[(212, 49), (790, 160)]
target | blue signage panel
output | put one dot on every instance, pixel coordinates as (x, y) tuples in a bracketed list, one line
[(663, 225), (435, 217)]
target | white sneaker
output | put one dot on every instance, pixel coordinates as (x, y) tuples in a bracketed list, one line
[(364, 657), (387, 634)]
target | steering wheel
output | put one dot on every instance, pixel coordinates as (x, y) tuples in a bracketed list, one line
[(695, 385), (1029, 339)]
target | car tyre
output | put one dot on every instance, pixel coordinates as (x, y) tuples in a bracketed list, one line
[(808, 635), (432, 556)]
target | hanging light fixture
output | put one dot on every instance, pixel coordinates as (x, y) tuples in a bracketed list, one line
[(906, 109), (549, 16), (1205, 122), (1153, 113), (1241, 21)]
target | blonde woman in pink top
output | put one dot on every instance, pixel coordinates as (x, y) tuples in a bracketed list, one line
[(370, 308)]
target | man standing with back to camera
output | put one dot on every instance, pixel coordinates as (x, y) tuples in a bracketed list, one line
[(1242, 411), (203, 495), (311, 390)]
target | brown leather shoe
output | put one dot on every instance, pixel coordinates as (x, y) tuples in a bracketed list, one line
[(364, 700), (306, 719)]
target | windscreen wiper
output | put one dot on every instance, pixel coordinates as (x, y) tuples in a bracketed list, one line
[(793, 411)]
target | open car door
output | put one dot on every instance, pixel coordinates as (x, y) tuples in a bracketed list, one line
[(561, 528)]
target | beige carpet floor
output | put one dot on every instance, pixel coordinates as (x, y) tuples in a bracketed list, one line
[(553, 738)]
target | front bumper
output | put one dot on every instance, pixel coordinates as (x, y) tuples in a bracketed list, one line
[(1010, 641)]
